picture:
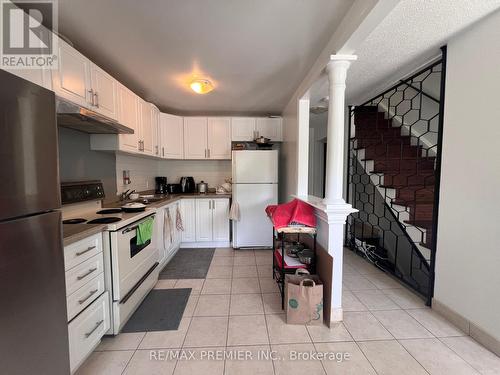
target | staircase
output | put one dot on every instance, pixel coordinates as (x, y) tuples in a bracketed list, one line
[(394, 150), (401, 171)]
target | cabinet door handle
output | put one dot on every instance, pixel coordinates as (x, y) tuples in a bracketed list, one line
[(78, 253), (96, 96), (209, 205), (93, 329), (209, 153), (156, 152), (86, 274), (163, 151), (92, 292), (91, 92), (213, 205)]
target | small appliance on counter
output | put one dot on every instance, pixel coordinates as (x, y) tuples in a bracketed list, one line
[(187, 185), (202, 187), (161, 185), (174, 188)]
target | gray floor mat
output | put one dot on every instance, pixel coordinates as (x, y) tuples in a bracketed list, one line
[(161, 310), (188, 264)]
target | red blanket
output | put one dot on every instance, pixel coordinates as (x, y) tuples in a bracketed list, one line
[(296, 211)]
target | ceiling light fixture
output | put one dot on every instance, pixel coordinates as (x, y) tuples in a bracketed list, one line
[(201, 86)]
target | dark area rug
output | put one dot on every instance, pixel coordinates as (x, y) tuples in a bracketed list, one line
[(188, 264), (161, 310)]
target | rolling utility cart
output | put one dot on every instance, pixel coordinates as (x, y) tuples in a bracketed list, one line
[(282, 263)]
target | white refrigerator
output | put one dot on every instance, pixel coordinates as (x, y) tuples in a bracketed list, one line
[(255, 186)]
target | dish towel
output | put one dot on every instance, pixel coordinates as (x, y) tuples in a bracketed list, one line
[(234, 212), (167, 223), (145, 231), (178, 220)]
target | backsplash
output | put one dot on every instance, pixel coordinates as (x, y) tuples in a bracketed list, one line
[(142, 172), (213, 172)]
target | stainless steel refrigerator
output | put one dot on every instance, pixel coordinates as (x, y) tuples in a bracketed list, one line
[(33, 321)]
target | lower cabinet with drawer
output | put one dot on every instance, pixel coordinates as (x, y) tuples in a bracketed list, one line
[(86, 330), (87, 301)]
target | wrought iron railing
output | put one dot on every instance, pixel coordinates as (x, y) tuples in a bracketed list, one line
[(393, 176)]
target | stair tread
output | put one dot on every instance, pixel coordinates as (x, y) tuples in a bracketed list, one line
[(426, 224)]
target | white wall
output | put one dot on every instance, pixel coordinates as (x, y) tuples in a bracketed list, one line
[(77, 162), (468, 248)]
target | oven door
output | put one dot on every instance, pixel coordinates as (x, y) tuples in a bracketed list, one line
[(130, 262)]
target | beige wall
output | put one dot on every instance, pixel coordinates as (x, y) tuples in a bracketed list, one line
[(468, 249)]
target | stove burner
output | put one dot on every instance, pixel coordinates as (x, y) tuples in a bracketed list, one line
[(104, 220), (109, 211), (74, 221)]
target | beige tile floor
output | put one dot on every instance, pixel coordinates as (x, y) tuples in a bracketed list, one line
[(237, 309)]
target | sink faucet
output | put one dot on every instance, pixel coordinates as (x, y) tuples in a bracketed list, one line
[(126, 194)]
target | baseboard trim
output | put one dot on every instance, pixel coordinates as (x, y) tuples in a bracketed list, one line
[(468, 327), (205, 244)]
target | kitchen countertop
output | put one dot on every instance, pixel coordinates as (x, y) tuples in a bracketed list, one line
[(76, 232), (170, 198)]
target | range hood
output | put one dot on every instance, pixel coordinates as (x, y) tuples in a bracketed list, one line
[(73, 116)]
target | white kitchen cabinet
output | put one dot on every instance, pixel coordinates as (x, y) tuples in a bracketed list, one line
[(145, 127), (188, 211), (104, 92), (166, 236), (204, 220), (87, 329), (212, 223), (219, 137), (195, 138), (127, 115), (269, 127), (72, 79), (80, 81), (220, 214), (246, 129), (172, 136), (242, 129), (155, 123)]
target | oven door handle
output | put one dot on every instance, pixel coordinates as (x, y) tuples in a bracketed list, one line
[(129, 229)]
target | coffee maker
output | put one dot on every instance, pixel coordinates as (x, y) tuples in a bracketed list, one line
[(161, 185)]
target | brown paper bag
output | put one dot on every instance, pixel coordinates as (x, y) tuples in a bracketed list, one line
[(304, 299)]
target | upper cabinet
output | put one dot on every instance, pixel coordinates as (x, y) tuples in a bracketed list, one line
[(269, 127), (146, 127), (246, 129), (155, 123), (243, 129), (72, 79), (207, 138), (82, 82), (104, 92), (195, 138), (219, 137), (128, 116), (171, 136)]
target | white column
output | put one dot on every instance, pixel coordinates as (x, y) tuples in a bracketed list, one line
[(336, 208), (337, 73)]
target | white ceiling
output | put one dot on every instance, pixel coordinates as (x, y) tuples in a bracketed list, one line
[(255, 51), (407, 38)]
